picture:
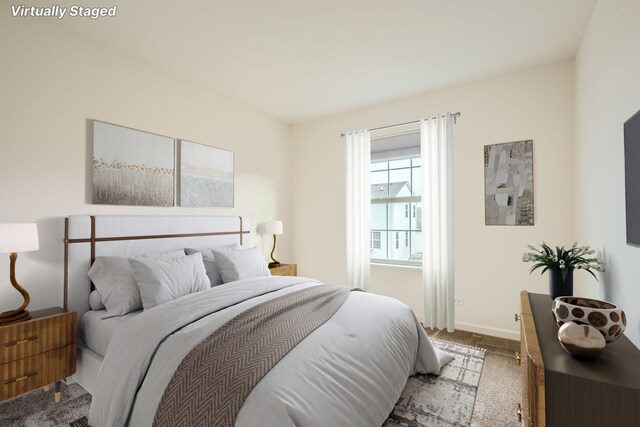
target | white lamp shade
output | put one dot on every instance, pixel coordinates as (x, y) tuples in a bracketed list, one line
[(18, 237), (273, 227)]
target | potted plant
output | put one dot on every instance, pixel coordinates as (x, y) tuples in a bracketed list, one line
[(561, 264)]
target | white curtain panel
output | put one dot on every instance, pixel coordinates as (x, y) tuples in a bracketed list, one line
[(437, 221), (358, 205)]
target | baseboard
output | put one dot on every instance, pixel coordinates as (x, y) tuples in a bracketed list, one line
[(494, 332)]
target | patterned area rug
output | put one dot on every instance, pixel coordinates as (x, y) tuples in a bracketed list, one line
[(427, 400), (444, 400), (38, 409)]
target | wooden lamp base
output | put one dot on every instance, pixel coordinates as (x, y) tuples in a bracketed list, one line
[(20, 314), (14, 317), (275, 262)]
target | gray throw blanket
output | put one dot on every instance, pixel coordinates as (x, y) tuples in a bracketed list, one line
[(212, 382)]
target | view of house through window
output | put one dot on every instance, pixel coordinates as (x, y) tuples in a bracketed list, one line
[(396, 202)]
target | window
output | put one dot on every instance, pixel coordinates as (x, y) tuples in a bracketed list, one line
[(375, 240), (396, 202)]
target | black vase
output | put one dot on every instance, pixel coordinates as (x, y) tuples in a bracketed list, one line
[(559, 287)]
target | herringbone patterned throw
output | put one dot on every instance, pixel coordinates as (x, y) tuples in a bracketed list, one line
[(213, 380)]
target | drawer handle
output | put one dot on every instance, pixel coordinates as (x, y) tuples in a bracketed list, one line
[(519, 413), (15, 380), (516, 317), (517, 356), (12, 343)]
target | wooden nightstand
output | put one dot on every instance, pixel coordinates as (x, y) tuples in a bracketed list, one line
[(37, 352), (284, 270)]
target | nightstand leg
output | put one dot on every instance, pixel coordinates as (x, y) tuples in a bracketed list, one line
[(57, 389), (46, 388)]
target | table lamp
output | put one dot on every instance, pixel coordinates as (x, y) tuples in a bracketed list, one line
[(273, 227), (16, 238)]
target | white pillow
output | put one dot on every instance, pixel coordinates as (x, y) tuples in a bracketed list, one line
[(95, 302), (236, 263), (165, 279), (116, 285)]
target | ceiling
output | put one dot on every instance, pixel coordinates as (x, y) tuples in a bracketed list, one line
[(299, 59)]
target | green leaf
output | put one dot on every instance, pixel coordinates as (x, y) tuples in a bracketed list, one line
[(591, 273), (535, 267)]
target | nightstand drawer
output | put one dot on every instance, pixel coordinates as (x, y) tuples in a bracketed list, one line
[(25, 339), (36, 371), (284, 270)]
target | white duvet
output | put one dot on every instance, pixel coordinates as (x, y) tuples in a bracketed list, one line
[(348, 372)]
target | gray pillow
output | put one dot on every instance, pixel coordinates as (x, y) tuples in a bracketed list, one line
[(236, 263), (209, 264), (95, 302), (116, 284), (165, 279)]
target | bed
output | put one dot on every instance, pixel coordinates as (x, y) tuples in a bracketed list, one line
[(151, 367)]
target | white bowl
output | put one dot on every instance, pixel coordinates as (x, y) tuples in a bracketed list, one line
[(606, 317)]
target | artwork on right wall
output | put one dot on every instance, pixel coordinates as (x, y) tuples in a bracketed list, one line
[(508, 183)]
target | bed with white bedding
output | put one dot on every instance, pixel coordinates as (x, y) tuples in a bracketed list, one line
[(348, 370)]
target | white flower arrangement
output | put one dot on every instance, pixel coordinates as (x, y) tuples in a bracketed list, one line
[(565, 260)]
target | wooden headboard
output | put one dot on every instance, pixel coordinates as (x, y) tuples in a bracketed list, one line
[(87, 237)]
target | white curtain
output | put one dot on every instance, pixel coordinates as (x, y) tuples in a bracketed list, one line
[(358, 203), (437, 221)]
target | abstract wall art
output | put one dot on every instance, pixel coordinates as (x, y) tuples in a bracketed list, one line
[(132, 167), (508, 179), (206, 176)]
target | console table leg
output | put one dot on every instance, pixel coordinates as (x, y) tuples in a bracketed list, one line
[(57, 389)]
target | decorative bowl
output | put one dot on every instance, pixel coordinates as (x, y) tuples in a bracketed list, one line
[(606, 317), (583, 341)]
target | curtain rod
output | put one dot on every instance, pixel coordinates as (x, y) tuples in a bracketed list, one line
[(454, 115)]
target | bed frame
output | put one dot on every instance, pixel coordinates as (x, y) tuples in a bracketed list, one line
[(87, 237)]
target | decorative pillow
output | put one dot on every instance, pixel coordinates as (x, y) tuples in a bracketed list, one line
[(236, 263), (116, 284), (165, 279), (95, 302)]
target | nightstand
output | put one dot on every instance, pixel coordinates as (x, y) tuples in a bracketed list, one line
[(284, 270), (37, 352)]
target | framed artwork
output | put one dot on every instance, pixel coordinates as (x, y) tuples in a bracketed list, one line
[(132, 167), (508, 183), (206, 176)]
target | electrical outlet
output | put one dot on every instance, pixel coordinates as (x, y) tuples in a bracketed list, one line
[(458, 301)]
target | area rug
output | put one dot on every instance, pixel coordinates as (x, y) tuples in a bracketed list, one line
[(38, 409), (444, 400), (427, 400)]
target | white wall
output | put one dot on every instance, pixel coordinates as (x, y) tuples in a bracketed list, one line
[(607, 94), (534, 104), (52, 83)]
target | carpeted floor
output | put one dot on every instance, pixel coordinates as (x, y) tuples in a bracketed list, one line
[(495, 387)]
